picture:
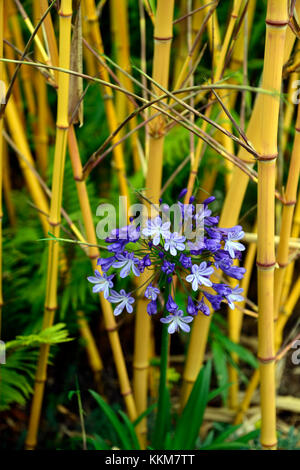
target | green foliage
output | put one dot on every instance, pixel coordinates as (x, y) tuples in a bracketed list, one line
[(52, 335), (17, 374), (183, 430)]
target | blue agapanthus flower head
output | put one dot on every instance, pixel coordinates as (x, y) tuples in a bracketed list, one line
[(163, 253)]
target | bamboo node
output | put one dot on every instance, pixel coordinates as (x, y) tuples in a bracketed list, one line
[(289, 203), (93, 256), (111, 329), (297, 129), (265, 266), (141, 367), (162, 39), (282, 265), (62, 127), (50, 309), (269, 445), (53, 224), (267, 158), (276, 23), (125, 394), (266, 360)]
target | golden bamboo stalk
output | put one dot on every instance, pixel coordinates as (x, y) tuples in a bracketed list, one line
[(180, 42), (214, 36), (41, 138), (276, 23), (162, 44), (290, 196), (65, 15), (26, 73), (235, 325), (217, 76), (10, 54), (1, 154), (290, 106), (11, 212), (283, 318), (17, 132), (109, 319), (290, 268), (237, 58), (50, 36), (123, 105), (96, 41), (286, 312), (93, 355)]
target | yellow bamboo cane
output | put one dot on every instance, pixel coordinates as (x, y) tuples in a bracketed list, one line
[(285, 314), (290, 196), (96, 41), (290, 269), (42, 106), (9, 204), (217, 76), (276, 22), (162, 44), (10, 54), (235, 324), (17, 132), (24, 71), (120, 12), (1, 155), (49, 35), (94, 358), (65, 15)]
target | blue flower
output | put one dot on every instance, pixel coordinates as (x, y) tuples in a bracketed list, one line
[(212, 245), (174, 243), (191, 307), (186, 261), (152, 292), (232, 244), (143, 263), (196, 247), (127, 262), (234, 271), (106, 263), (234, 296), (215, 300), (168, 267), (124, 300), (171, 306), (156, 228), (222, 289), (102, 283), (152, 307), (203, 307), (182, 193), (177, 321), (199, 275)]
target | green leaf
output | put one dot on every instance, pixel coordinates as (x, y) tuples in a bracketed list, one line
[(144, 414), (189, 423), (131, 430), (114, 421), (242, 352), (220, 363)]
